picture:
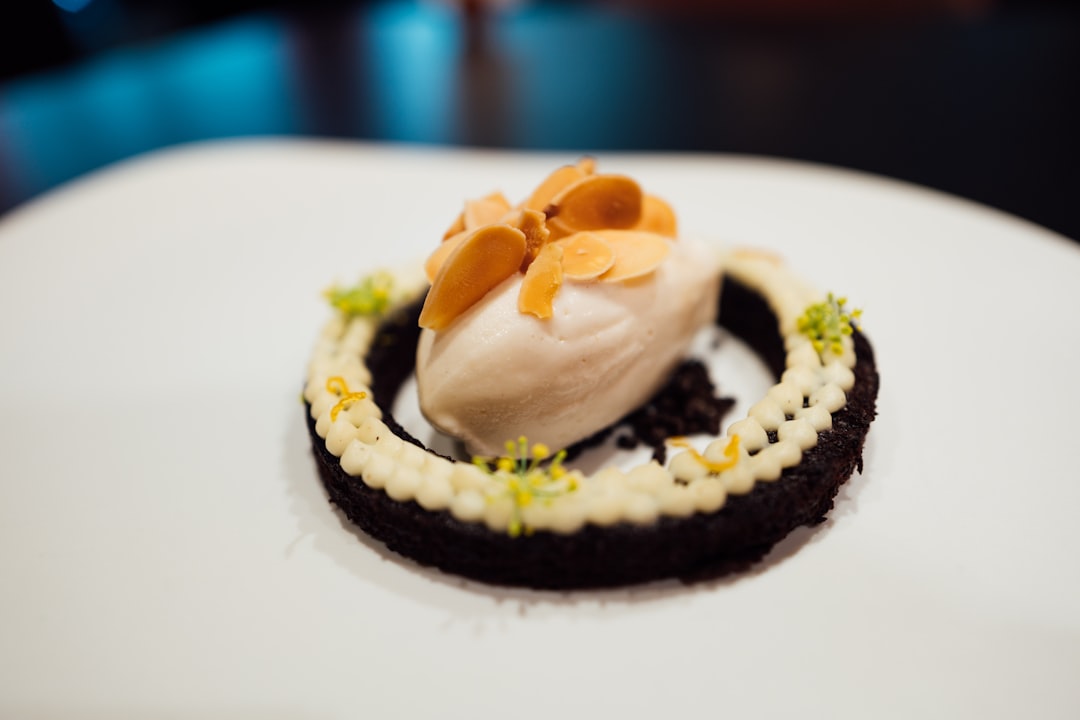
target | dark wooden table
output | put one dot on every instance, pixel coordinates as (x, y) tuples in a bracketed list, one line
[(982, 103)]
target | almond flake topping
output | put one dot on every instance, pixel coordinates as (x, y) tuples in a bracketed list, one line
[(594, 203), (542, 281), (636, 253), (485, 211), (657, 216), (586, 255), (554, 184), (482, 260), (576, 225)]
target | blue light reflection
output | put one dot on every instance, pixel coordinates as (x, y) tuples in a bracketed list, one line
[(409, 58), (72, 6), (231, 80), (529, 76), (577, 71)]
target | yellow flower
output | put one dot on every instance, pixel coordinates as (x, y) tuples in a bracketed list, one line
[(525, 479), (826, 323)]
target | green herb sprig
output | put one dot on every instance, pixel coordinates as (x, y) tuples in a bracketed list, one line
[(826, 324), (372, 296), (525, 479)]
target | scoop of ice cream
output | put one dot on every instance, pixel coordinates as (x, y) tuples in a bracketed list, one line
[(496, 373)]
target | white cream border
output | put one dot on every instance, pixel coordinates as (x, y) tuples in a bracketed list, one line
[(368, 450)]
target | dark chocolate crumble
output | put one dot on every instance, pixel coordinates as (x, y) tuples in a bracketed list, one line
[(701, 546)]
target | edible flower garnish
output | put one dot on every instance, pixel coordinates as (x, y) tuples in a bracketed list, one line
[(371, 296), (339, 387), (526, 479), (731, 454), (826, 324)]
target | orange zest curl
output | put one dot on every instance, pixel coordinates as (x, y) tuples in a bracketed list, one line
[(731, 454), (339, 387)]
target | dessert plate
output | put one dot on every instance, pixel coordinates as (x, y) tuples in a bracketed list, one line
[(167, 549)]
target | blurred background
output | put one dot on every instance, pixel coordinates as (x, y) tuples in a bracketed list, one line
[(980, 98)]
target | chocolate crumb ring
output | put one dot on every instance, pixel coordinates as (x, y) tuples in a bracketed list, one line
[(396, 491)]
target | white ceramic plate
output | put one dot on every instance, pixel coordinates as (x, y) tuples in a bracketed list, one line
[(166, 549)]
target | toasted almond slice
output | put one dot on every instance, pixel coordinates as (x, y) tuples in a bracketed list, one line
[(636, 253), (555, 183), (531, 222), (542, 281), (587, 165), (658, 217), (484, 259), (586, 255), (753, 253), (597, 202), (485, 211), (437, 258), (558, 229), (457, 226)]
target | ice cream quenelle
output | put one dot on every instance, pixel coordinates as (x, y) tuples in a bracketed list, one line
[(555, 318)]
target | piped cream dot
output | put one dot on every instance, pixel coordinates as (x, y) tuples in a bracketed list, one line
[(788, 396), (468, 506), (350, 368), (435, 493), (404, 483), (641, 508), (676, 501), (805, 379), (829, 396), (497, 513), (378, 470), (751, 435), (466, 476), (819, 418), (608, 479), (358, 336), (605, 508), (355, 458), (567, 516), (322, 424), (411, 456), (435, 466), (839, 374), (787, 454), (389, 444), (649, 477), (739, 480), (802, 354), (341, 433), (765, 466), (768, 413), (798, 431), (323, 402), (684, 466), (315, 385), (361, 410), (717, 451), (371, 429), (709, 494)]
